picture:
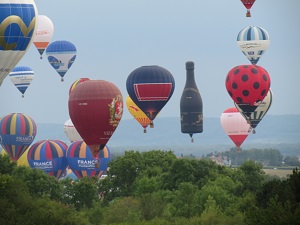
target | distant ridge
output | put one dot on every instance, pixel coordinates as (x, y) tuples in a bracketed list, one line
[(281, 132)]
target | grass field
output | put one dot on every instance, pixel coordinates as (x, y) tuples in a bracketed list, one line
[(282, 173)]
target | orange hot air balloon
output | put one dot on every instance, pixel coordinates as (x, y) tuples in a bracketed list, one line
[(138, 114), (96, 108)]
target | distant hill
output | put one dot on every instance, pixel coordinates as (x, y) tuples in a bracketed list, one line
[(278, 132)]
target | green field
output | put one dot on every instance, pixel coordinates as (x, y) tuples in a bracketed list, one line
[(282, 173)]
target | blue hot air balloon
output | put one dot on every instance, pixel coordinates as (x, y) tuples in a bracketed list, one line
[(61, 56), (21, 77), (82, 163), (17, 25), (150, 88), (49, 156), (253, 41)]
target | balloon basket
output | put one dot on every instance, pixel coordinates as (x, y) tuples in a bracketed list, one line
[(248, 14)]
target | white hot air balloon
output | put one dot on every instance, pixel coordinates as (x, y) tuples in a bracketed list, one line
[(43, 33), (21, 77), (253, 41), (71, 131), (17, 27), (235, 126)]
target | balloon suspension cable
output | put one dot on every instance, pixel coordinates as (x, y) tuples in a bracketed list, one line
[(248, 120), (192, 139), (253, 131), (151, 124), (248, 14)]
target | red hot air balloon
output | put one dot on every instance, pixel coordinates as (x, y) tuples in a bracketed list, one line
[(248, 85), (76, 82), (248, 4), (235, 126), (96, 108)]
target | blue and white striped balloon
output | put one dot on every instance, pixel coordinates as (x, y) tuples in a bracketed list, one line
[(61, 55), (253, 41), (21, 77)]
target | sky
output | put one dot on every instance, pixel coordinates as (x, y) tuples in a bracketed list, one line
[(115, 37)]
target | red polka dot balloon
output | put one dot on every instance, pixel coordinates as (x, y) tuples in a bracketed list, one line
[(248, 85)]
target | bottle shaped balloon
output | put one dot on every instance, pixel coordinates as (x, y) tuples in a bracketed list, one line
[(191, 106)]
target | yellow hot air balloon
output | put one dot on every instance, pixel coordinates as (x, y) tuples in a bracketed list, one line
[(22, 161), (138, 114)]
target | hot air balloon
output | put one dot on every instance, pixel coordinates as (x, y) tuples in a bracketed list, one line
[(96, 108), (248, 4), (17, 25), (235, 126), (248, 85), (76, 82), (259, 112), (82, 163), (43, 33), (21, 77), (49, 156), (22, 161), (17, 132), (61, 56), (71, 131), (137, 114), (150, 88), (253, 41)]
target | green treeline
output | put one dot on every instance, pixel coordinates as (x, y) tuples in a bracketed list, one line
[(267, 157), (151, 188)]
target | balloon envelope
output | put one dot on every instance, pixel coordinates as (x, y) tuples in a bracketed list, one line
[(82, 163), (77, 82), (260, 111), (17, 132), (96, 108), (248, 85), (253, 41), (21, 77), (43, 33), (61, 56), (17, 25), (150, 88), (71, 131), (49, 156), (137, 113), (248, 4), (235, 126)]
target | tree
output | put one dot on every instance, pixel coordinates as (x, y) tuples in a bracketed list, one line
[(40, 184), (250, 175), (6, 165)]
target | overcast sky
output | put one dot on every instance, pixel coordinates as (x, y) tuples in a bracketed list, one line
[(115, 37)]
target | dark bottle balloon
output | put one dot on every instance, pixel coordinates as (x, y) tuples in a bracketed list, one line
[(191, 107)]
